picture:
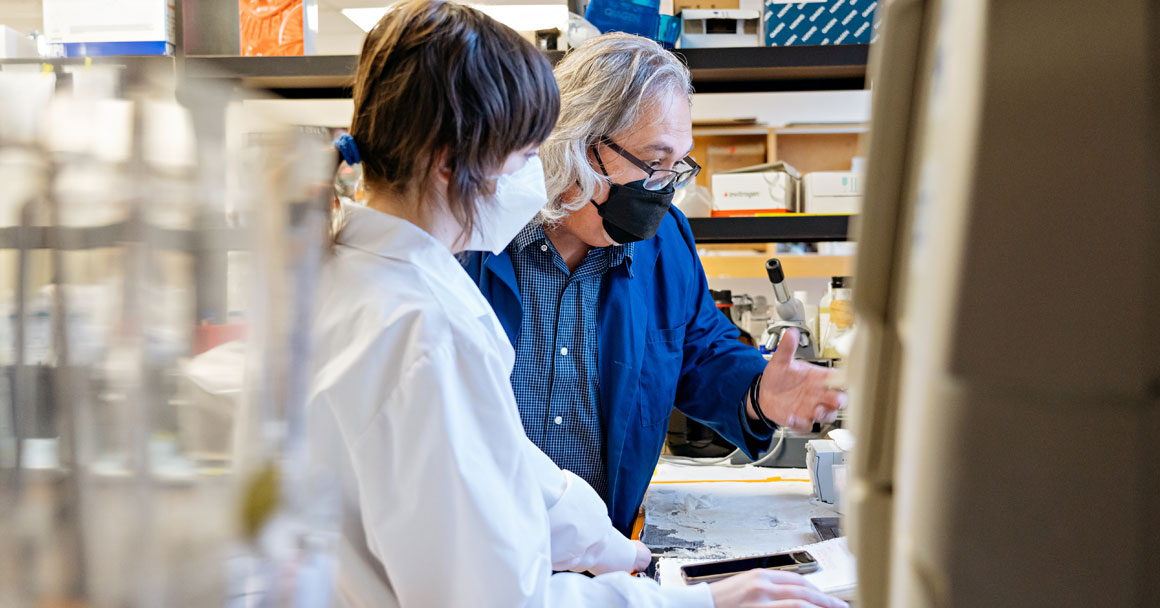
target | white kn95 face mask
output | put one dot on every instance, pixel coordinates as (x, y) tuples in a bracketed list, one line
[(518, 197)]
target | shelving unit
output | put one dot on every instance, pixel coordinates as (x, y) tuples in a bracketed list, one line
[(787, 228), (751, 69), (728, 70)]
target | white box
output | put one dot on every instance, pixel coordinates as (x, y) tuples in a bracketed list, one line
[(701, 28), (14, 45), (110, 27), (768, 188), (823, 459), (832, 192)]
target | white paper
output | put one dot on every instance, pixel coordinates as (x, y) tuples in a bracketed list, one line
[(836, 573)]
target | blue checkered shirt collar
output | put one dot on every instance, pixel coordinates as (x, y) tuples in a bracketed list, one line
[(534, 233)]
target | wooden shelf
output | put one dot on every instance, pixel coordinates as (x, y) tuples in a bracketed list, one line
[(726, 70), (762, 130), (795, 266)]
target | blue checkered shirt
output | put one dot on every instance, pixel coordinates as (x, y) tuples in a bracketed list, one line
[(556, 378)]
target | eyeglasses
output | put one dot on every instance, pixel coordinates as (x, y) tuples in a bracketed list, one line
[(658, 179)]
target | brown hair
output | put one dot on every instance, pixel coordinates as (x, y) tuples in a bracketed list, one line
[(437, 77)]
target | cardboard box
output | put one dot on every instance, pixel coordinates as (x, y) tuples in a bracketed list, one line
[(769, 188), (832, 192), (701, 29), (80, 28), (820, 22), (722, 159)]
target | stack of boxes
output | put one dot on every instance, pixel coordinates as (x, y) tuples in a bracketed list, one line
[(778, 188), (733, 23)]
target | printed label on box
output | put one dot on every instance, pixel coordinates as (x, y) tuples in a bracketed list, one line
[(820, 22), (753, 192)]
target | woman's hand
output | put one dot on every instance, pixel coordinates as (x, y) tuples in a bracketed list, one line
[(770, 589), (643, 557)]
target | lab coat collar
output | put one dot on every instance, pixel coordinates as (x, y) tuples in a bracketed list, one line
[(395, 238)]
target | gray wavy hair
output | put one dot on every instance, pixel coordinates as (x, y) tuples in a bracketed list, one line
[(607, 86)]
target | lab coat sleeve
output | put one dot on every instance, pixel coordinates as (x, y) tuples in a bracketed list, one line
[(452, 502), (717, 368), (582, 536)]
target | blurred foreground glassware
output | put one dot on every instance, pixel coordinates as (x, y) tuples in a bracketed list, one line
[(155, 294)]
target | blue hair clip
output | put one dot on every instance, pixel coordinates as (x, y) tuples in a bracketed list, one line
[(348, 149)]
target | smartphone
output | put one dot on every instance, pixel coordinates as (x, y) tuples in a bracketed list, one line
[(794, 561)]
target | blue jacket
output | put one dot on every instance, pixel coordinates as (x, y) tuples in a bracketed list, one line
[(662, 343)]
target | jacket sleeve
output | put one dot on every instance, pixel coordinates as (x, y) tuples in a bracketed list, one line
[(454, 503), (717, 368)]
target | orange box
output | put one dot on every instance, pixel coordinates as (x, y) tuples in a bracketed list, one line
[(272, 27)]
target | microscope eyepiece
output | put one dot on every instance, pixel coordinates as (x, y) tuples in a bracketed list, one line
[(773, 269)]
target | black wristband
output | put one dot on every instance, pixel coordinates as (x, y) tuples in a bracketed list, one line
[(754, 394)]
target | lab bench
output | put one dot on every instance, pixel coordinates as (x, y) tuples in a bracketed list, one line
[(724, 511)]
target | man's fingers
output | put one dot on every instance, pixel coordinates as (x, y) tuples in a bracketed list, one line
[(800, 424), (786, 348), (833, 400)]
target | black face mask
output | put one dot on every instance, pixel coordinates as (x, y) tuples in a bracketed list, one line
[(632, 213)]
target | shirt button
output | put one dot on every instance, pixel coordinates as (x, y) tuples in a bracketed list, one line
[(543, 247), (559, 419), (564, 351)]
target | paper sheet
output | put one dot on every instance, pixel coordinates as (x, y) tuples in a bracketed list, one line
[(836, 573)]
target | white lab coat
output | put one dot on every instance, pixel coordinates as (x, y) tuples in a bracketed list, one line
[(445, 500)]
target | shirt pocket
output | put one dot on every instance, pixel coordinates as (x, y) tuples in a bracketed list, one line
[(659, 374)]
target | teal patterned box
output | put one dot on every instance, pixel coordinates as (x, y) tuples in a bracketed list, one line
[(820, 22)]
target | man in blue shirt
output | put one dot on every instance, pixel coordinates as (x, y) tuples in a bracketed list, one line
[(604, 297)]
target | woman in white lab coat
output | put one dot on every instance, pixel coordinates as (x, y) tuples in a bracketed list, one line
[(445, 501)]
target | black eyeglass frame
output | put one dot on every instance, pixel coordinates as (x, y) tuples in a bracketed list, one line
[(678, 179)]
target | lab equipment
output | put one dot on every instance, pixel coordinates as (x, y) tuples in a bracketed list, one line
[(114, 222), (826, 527), (791, 316), (711, 28), (839, 316), (81, 28), (970, 372), (822, 456)]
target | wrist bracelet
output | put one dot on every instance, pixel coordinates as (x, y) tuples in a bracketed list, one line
[(754, 394)]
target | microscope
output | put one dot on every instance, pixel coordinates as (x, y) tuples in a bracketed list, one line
[(791, 314)]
